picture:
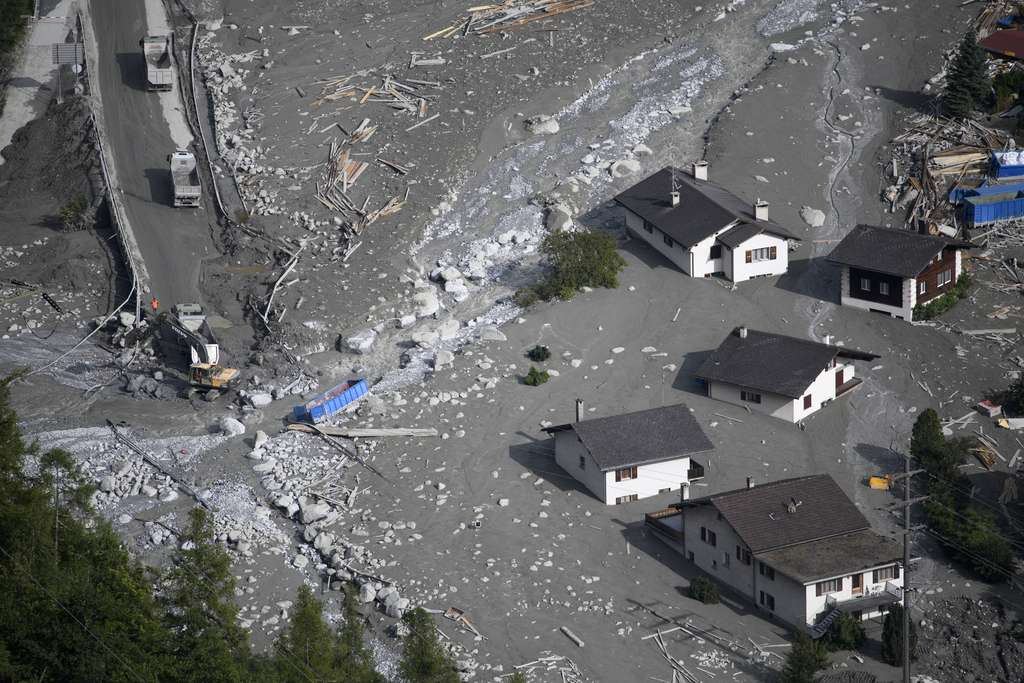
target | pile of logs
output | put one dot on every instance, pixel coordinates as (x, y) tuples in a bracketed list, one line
[(507, 16)]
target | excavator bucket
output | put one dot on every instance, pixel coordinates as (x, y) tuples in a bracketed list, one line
[(880, 482)]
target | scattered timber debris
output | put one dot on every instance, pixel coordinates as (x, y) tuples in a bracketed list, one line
[(507, 15)]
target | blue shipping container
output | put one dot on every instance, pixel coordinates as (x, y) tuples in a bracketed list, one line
[(989, 208), (972, 184), (1007, 164), (322, 407)]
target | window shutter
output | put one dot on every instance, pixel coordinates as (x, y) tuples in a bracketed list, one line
[(703, 533), (817, 590), (896, 572), (874, 576), (634, 472), (750, 257), (772, 257), (618, 475), (839, 585)]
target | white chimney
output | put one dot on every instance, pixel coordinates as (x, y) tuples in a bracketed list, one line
[(827, 339), (579, 410), (743, 331), (761, 210), (750, 482), (700, 170), (684, 491), (675, 198)]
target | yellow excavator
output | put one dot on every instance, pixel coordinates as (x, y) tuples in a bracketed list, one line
[(189, 324)]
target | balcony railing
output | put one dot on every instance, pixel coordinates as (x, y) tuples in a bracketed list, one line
[(695, 472), (654, 520)]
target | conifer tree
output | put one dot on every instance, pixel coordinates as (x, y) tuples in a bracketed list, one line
[(967, 86), (425, 661), (806, 658), (892, 637)]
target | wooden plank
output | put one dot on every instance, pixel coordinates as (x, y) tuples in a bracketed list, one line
[(354, 432)]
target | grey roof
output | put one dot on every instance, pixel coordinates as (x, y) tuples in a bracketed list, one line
[(740, 233), (759, 515), (704, 208), (890, 250), (768, 362), (834, 556), (641, 438)]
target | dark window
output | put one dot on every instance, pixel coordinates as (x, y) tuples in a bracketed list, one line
[(865, 284), (885, 573), (883, 288), (626, 499), (767, 601), (725, 559), (833, 586), (807, 402), (743, 555), (766, 571), (763, 254), (750, 397), (708, 536), (668, 241), (922, 288), (648, 227), (716, 251), (625, 473), (583, 462)]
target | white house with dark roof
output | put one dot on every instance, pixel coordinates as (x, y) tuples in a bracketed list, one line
[(632, 456), (888, 270), (703, 228), (799, 549), (781, 376)]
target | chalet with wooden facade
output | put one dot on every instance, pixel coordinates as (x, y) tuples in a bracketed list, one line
[(703, 228), (888, 270)]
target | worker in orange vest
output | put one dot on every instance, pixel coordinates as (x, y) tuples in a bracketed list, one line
[(155, 305)]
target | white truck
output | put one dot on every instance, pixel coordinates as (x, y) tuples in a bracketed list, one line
[(185, 177), (156, 52)]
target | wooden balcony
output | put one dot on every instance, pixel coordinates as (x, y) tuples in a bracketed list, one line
[(668, 522)]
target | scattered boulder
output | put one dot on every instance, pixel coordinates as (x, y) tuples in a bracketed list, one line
[(541, 125), (231, 427), (443, 358), (426, 303), (108, 483), (361, 342), (624, 167), (367, 593), (260, 400), (492, 334), (261, 439), (127, 319), (450, 273), (558, 219), (812, 217)]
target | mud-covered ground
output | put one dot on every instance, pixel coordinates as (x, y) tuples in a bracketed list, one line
[(807, 126)]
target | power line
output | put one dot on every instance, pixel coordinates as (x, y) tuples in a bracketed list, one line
[(114, 654)]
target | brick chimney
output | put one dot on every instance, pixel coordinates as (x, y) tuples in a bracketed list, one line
[(700, 170)]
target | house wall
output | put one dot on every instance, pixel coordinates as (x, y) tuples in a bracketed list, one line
[(738, 576), (790, 596), (703, 264), (675, 253), (650, 481), (822, 389), (815, 604), (741, 270), (947, 261), (568, 449), (904, 312), (775, 405)]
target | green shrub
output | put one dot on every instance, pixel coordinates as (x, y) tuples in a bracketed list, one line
[(12, 26), (535, 377), (806, 658), (539, 354), (584, 258), (705, 590), (74, 212), (936, 307), (844, 633)]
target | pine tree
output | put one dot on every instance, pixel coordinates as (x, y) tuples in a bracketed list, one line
[(355, 661), (892, 637), (305, 648), (806, 658), (967, 86), (425, 661), (198, 598)]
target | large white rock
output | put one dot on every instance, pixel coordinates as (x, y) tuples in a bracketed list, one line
[(450, 273), (492, 334), (314, 513), (426, 303), (448, 329), (260, 400), (108, 483), (425, 337), (267, 465), (558, 219), (443, 358), (127, 319), (231, 427), (812, 217), (542, 125), (361, 342), (625, 167), (366, 593), (260, 440)]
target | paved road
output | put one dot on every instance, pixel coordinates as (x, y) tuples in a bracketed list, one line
[(172, 241)]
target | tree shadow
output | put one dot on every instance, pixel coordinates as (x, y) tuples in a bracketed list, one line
[(917, 101)]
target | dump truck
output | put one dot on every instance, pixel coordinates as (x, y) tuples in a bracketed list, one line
[(185, 177), (156, 53), (190, 325)]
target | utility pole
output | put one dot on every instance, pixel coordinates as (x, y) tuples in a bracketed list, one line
[(907, 529), (906, 566)]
